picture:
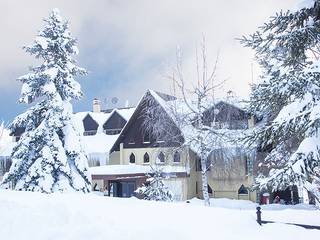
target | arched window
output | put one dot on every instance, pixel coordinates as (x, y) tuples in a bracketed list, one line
[(176, 157), (146, 158), (132, 158), (161, 157), (242, 190)]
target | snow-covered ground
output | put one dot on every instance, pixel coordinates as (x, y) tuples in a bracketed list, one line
[(28, 215), (300, 213)]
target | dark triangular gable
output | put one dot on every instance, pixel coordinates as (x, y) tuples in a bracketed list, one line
[(89, 123), (133, 132), (114, 122), (225, 112)]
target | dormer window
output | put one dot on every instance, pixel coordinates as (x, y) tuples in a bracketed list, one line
[(114, 124), (90, 126), (131, 141), (176, 157), (146, 158), (112, 131), (90, 133)]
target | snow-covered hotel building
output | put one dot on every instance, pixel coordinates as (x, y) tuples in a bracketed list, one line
[(120, 152), (134, 151)]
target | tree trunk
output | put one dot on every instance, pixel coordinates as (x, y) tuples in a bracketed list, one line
[(204, 180)]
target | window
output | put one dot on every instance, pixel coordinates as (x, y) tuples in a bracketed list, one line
[(146, 158), (198, 165), (93, 160), (161, 158), (242, 190), (176, 157), (131, 140), (90, 133), (196, 187), (146, 137), (132, 158), (248, 166), (112, 131), (209, 189)]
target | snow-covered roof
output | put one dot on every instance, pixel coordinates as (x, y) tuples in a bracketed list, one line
[(126, 113), (178, 109), (234, 101), (132, 169), (101, 117), (100, 142)]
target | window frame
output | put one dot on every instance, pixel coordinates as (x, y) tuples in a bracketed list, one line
[(159, 159), (134, 158), (146, 156), (177, 153)]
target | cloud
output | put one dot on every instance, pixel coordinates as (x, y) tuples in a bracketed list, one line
[(129, 43)]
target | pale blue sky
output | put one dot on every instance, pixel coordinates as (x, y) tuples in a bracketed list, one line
[(128, 46)]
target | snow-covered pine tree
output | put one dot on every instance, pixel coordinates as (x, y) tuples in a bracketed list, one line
[(287, 48), (154, 189), (49, 157)]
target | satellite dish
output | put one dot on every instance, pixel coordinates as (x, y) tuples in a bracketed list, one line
[(114, 100)]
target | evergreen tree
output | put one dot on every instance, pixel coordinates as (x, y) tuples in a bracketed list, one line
[(154, 189), (49, 157), (288, 97)]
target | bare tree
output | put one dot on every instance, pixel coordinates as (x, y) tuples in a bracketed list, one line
[(188, 121)]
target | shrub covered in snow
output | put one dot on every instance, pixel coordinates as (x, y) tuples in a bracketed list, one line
[(155, 189)]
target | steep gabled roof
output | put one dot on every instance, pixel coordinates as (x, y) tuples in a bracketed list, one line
[(129, 122), (167, 103), (160, 98)]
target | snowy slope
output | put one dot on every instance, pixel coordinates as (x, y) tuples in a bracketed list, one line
[(27, 215)]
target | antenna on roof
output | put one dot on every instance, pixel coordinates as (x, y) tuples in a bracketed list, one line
[(114, 100), (126, 105)]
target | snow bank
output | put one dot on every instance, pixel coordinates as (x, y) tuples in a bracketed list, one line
[(300, 213), (227, 203), (27, 215)]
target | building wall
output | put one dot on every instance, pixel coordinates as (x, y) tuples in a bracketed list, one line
[(185, 186), (114, 158), (227, 173), (153, 153), (225, 179), (100, 184)]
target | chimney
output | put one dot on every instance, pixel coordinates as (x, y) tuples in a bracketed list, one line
[(96, 105)]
